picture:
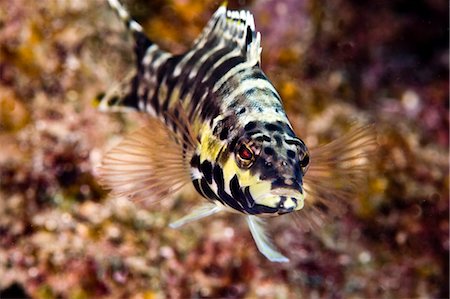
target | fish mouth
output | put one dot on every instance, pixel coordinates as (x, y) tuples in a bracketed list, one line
[(285, 200)]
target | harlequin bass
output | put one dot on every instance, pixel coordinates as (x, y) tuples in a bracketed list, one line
[(216, 121)]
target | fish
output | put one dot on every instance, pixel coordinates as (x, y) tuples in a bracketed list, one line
[(213, 119)]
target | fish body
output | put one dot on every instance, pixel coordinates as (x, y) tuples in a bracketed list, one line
[(216, 121)]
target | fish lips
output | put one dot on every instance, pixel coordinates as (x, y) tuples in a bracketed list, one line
[(278, 201)]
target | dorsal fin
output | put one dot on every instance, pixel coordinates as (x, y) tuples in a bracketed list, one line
[(232, 26)]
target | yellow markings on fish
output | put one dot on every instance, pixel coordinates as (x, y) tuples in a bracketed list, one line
[(211, 145), (230, 168)]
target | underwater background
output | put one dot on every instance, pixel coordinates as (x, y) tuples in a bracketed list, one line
[(334, 63)]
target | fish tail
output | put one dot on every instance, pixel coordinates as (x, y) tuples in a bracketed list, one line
[(142, 42), (126, 95), (122, 96), (123, 14)]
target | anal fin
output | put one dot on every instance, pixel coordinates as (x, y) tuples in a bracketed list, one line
[(264, 244), (202, 211)]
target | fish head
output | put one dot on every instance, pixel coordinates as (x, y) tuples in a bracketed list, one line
[(269, 163)]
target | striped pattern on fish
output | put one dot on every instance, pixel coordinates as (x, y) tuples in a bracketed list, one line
[(215, 120)]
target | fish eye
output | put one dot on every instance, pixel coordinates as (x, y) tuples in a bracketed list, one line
[(245, 156), (304, 162)]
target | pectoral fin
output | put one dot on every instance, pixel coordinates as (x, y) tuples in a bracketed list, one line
[(199, 212), (264, 244), (338, 170), (149, 164)]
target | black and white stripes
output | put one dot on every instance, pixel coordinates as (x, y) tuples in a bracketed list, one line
[(219, 89), (228, 45)]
